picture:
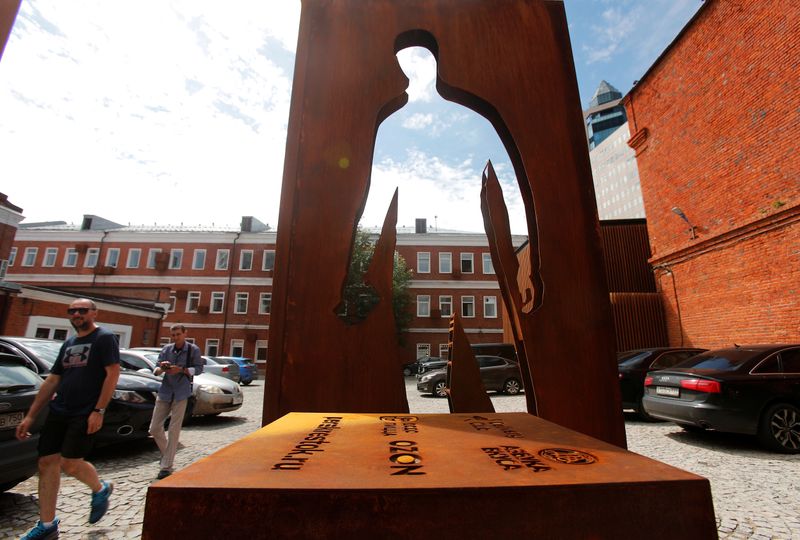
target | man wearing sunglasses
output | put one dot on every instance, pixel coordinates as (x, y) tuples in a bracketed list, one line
[(83, 379)]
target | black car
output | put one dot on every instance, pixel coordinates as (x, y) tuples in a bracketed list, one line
[(752, 390), (429, 363), (131, 407), (634, 365), (498, 374), (18, 387)]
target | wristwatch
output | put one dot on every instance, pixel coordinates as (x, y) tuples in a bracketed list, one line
[(101, 411)]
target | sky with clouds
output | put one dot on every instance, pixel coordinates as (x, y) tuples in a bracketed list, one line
[(175, 112)]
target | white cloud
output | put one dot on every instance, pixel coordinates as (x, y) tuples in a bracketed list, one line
[(418, 121), (419, 65), (609, 37)]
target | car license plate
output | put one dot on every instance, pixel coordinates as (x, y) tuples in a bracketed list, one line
[(668, 391), (12, 419), (238, 398)]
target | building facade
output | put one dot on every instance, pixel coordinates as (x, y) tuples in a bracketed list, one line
[(605, 114), (714, 126), (616, 177)]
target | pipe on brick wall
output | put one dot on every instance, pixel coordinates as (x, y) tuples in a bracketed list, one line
[(667, 270)]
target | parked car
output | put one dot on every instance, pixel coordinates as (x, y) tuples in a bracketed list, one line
[(752, 390), (429, 363), (634, 365), (247, 369), (211, 394), (131, 407), (18, 387), (229, 371), (498, 374)]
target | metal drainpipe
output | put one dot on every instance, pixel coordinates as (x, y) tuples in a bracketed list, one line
[(99, 257), (228, 293)]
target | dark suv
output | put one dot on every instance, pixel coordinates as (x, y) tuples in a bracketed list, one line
[(498, 374)]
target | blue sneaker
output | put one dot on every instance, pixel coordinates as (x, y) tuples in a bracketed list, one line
[(40, 532), (100, 502)]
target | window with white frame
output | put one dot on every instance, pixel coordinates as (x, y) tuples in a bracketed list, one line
[(222, 259), (423, 262), (488, 267), (446, 305), (134, 258), (467, 263), (3, 269), (467, 306), (241, 302), (199, 259), (50, 256), (175, 259), (490, 307), (164, 340), (268, 261), (265, 303), (12, 256), (29, 257), (70, 257), (212, 347), (262, 348), (173, 301), (246, 259), (423, 305), (444, 350), (91, 257), (423, 349), (112, 257), (151, 257), (192, 301), (237, 347), (217, 302), (445, 263)]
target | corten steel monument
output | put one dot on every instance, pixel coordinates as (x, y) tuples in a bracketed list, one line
[(8, 12), (508, 60)]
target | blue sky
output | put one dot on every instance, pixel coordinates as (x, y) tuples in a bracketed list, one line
[(175, 112)]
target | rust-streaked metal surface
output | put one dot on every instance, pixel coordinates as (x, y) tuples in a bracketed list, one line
[(465, 390), (508, 60), (626, 251), (320, 475), (8, 12)]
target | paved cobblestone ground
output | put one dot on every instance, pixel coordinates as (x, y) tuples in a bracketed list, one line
[(756, 493)]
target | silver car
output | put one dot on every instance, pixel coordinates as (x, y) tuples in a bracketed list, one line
[(211, 394), (229, 371)]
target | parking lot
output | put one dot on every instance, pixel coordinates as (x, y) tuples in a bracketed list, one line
[(756, 493)]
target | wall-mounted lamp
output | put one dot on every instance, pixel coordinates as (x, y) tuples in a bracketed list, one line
[(677, 211)]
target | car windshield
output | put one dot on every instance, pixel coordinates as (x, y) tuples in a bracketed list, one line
[(152, 357), (722, 360), (632, 358), (47, 351), (13, 374)]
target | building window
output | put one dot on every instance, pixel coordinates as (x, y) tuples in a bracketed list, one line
[(3, 269), (467, 306), (488, 267), (91, 257), (70, 257), (134, 258), (446, 305), (29, 258), (423, 305), (173, 301), (199, 259), (192, 301), (112, 257), (490, 307), (423, 262), (222, 259), (262, 347), (12, 256), (246, 259), (217, 302), (212, 347), (151, 257), (175, 259), (423, 349), (241, 302), (444, 350), (265, 303), (50, 256), (445, 263), (466, 263), (237, 347), (268, 262)]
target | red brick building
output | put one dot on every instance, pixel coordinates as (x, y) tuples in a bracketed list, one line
[(714, 125)]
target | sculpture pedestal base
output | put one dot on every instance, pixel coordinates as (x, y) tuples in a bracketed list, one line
[(318, 475)]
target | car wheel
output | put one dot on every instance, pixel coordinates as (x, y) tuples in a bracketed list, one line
[(407, 371), (440, 389), (247, 382), (779, 429), (512, 387)]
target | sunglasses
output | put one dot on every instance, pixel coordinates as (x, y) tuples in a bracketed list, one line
[(81, 310)]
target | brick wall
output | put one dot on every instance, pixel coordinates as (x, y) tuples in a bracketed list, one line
[(715, 129)]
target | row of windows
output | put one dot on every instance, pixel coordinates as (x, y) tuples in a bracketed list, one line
[(466, 261), (236, 347), (446, 306), (90, 260), (217, 302)]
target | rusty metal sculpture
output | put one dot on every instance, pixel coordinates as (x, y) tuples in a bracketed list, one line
[(508, 60), (8, 12), (465, 390)]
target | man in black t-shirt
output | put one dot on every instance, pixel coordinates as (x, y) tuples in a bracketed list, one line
[(83, 380)]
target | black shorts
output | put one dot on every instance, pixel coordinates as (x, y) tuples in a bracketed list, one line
[(65, 435)]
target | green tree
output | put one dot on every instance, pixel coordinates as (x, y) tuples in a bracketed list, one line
[(360, 299)]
